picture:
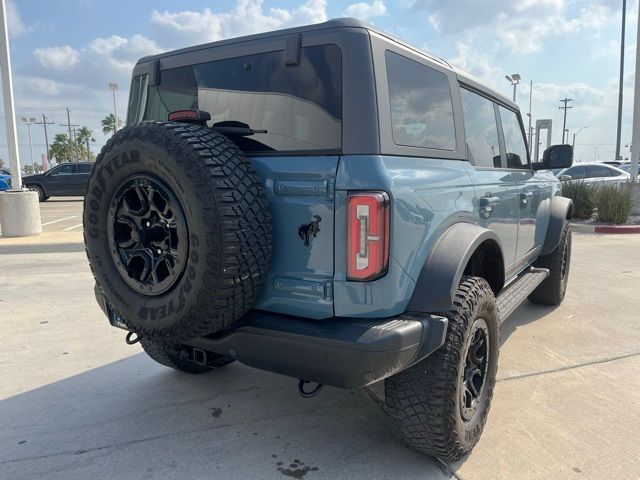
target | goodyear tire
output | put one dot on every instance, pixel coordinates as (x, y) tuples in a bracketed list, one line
[(440, 405), (177, 230)]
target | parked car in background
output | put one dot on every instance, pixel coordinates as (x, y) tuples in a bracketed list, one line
[(627, 168), (5, 179), (616, 163), (66, 179), (592, 173)]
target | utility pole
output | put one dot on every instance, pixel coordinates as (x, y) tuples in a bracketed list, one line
[(565, 108), (44, 123), (70, 125), (621, 86)]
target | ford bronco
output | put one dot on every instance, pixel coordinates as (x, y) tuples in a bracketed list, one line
[(332, 204)]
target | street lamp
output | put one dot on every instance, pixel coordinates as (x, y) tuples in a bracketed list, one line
[(113, 87), (30, 121), (514, 80), (575, 135)]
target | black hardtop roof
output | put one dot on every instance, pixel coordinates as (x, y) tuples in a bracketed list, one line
[(335, 23)]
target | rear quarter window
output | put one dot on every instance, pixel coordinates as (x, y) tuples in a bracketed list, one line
[(421, 105)]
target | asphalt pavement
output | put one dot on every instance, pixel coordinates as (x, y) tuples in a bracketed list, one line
[(76, 402)]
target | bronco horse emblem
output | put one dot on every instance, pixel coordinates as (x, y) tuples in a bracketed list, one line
[(305, 231)]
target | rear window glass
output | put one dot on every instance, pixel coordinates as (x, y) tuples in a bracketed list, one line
[(300, 106), (421, 107)]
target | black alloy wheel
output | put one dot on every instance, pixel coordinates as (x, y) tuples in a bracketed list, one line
[(472, 381), (147, 235)]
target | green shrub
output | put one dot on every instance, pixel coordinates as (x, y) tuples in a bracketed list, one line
[(582, 196), (614, 204)]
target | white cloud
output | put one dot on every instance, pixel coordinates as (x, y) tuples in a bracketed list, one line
[(58, 58), (247, 17), (519, 26), (365, 10), (14, 20)]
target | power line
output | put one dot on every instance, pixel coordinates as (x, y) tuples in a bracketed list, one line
[(565, 108)]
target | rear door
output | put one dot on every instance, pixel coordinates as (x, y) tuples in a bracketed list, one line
[(81, 180), (298, 101), (496, 191)]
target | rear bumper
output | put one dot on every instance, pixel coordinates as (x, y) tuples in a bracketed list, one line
[(342, 352)]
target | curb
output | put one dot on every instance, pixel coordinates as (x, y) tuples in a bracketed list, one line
[(605, 229)]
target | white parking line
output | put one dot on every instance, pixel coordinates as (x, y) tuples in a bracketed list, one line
[(59, 220), (71, 228)]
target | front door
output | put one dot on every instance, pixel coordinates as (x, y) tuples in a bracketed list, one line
[(60, 181), (495, 186), (534, 189)]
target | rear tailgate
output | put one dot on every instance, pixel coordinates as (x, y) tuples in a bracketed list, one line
[(300, 191)]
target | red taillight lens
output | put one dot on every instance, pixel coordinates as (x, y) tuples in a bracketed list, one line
[(367, 235)]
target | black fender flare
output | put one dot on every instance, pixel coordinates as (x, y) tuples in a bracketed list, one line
[(560, 212), (441, 273)]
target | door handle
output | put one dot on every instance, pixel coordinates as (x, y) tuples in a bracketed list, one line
[(525, 196), (489, 201)]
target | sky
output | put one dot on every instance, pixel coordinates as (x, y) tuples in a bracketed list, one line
[(65, 52)]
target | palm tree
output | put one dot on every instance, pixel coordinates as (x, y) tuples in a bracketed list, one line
[(108, 124), (83, 137)]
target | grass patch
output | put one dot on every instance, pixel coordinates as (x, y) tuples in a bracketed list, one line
[(582, 196), (614, 204)]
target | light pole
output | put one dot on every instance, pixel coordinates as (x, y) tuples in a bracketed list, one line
[(529, 115), (514, 80), (595, 151), (30, 121), (621, 84), (113, 87), (575, 135)]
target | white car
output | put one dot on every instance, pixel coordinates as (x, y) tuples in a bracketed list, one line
[(592, 173)]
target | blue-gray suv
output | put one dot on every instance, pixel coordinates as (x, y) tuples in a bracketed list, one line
[(332, 204)]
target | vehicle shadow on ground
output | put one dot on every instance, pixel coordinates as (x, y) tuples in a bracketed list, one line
[(135, 419), (525, 314)]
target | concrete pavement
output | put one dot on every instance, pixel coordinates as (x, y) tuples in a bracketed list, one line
[(76, 402)]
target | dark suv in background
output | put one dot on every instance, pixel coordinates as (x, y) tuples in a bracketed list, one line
[(66, 179)]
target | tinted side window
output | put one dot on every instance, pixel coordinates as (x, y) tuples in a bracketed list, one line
[(64, 169), (83, 168), (421, 106), (596, 171), (516, 148), (481, 130), (577, 173)]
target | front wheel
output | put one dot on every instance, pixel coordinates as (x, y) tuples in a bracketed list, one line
[(439, 406), (552, 290)]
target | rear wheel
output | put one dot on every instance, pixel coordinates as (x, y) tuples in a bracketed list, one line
[(179, 358), (439, 406), (552, 290)]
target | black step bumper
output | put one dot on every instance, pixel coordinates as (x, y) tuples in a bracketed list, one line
[(345, 353), (342, 352)]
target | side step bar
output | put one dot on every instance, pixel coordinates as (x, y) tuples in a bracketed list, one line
[(518, 290)]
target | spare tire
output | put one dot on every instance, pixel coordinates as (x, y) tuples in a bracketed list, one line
[(177, 230)]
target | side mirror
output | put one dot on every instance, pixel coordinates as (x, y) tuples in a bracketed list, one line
[(565, 178), (557, 156)]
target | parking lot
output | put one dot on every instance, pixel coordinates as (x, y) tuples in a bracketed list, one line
[(76, 401), (61, 214)]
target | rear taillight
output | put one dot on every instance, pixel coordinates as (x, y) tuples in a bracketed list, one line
[(367, 235)]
